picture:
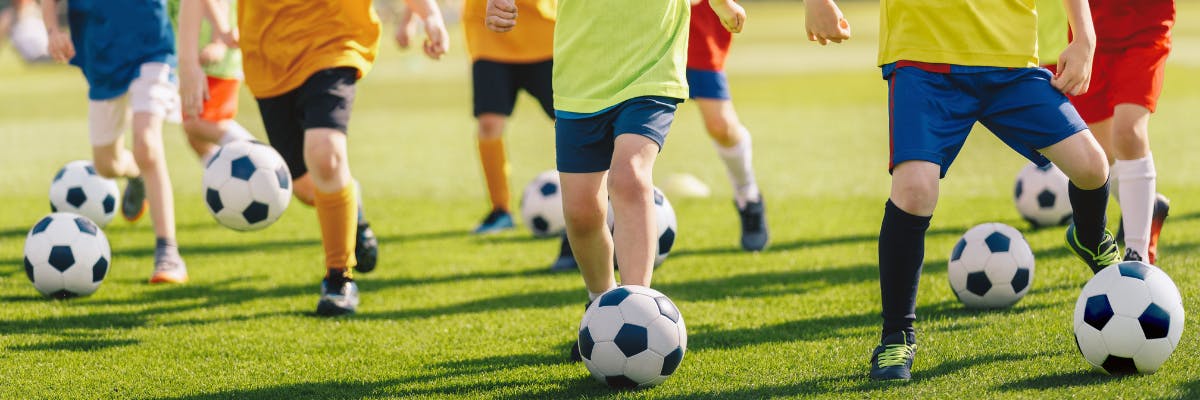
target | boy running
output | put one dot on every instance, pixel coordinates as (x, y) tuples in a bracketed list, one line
[(944, 77), (126, 50), (302, 60), (615, 94)]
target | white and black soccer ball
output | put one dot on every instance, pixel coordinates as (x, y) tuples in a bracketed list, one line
[(78, 189), (667, 225), (632, 336), (1041, 196), (991, 266), (247, 185), (1128, 319), (66, 255), (541, 205)]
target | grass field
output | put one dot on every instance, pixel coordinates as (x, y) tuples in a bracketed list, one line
[(452, 315)]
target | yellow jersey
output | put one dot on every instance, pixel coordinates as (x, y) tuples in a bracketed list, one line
[(531, 41), (284, 42), (988, 33)]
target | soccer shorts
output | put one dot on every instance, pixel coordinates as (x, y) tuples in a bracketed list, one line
[(584, 143), (1131, 75), (151, 92), (708, 84), (496, 85), (222, 100), (933, 112), (322, 101)]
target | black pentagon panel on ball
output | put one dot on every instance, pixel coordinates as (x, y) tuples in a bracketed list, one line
[(614, 297), (1020, 281), (90, 170), (62, 294), (255, 212), (109, 203), (99, 270), (620, 382), (61, 258), (58, 176), (666, 241), (958, 249), (667, 309), (76, 197), (1119, 365), (997, 242), (1097, 311), (242, 168), (281, 174), (585, 343), (1046, 199), (86, 226), (41, 226), (978, 283), (540, 224), (1017, 191), (1135, 270), (28, 269), (671, 361), (548, 188), (1155, 321), (631, 339), (213, 198)]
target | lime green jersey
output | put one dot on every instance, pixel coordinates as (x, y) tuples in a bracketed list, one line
[(1052, 30), (606, 52), (229, 67)]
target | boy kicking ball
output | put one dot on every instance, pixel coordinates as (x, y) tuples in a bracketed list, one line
[(944, 77), (615, 94)]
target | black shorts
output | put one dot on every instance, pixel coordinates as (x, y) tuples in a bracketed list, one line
[(496, 85), (322, 101)]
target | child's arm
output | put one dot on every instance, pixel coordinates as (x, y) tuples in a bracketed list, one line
[(825, 22), (193, 87), (60, 46), (405, 28), (1075, 63), (437, 40), (732, 15), (501, 15), (224, 36)]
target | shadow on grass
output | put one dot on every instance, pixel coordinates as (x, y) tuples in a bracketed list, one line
[(1188, 390), (75, 345), (808, 243), (1073, 379)]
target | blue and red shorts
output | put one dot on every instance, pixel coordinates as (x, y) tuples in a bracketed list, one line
[(705, 84)]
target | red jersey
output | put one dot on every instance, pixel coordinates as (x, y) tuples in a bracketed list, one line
[(709, 42), (1127, 23)]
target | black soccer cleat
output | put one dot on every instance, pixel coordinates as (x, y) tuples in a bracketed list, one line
[(755, 235), (892, 360), (566, 259), (133, 202), (366, 248), (339, 296)]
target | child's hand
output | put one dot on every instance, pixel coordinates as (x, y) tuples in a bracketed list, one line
[(229, 39), (213, 53), (60, 46), (501, 15), (1075, 68), (732, 15), (825, 22), (437, 41), (405, 29), (193, 89)]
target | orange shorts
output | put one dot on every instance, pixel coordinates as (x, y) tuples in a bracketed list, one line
[(222, 100), (1131, 75)]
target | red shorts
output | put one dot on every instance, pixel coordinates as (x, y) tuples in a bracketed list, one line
[(1132, 75), (222, 100)]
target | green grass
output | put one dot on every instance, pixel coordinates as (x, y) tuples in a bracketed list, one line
[(452, 315)]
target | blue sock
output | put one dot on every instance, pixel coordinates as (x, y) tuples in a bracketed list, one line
[(901, 256)]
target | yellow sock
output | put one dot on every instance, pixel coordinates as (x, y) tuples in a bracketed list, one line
[(337, 213), (495, 169)]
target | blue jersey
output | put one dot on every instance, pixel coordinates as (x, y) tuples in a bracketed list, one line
[(113, 38)]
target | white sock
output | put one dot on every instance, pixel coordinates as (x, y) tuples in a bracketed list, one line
[(741, 173), (235, 132), (1137, 194), (592, 296), (1114, 184)]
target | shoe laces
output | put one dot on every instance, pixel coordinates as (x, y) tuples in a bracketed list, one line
[(751, 221), (894, 355), (1107, 254)]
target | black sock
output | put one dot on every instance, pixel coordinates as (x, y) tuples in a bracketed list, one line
[(565, 248), (901, 256), (1088, 207)]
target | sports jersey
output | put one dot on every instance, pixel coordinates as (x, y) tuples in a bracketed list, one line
[(611, 51), (531, 41), (284, 42), (995, 33), (113, 38), (1052, 30), (1127, 23), (709, 42), (229, 67)]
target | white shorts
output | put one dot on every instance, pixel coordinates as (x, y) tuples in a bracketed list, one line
[(29, 38), (151, 92)]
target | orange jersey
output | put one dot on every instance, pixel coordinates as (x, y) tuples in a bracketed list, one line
[(284, 42), (531, 41)]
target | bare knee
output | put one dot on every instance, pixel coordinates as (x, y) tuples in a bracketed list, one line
[(148, 152), (491, 126), (1093, 174), (325, 156), (627, 183), (915, 187)]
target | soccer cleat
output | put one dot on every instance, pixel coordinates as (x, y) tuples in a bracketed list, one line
[(575, 355), (496, 221), (1162, 205), (893, 358), (133, 202), (169, 270), (754, 225), (1105, 254), (338, 297), (366, 248), (566, 259), (1131, 255)]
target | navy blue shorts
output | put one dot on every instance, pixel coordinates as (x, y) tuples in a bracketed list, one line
[(932, 112), (496, 85), (708, 84), (584, 142)]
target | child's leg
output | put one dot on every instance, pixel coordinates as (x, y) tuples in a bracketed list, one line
[(1134, 168), (107, 122), (493, 159), (733, 146), (304, 189), (326, 159), (906, 218), (148, 152), (585, 205), (1081, 158), (631, 188)]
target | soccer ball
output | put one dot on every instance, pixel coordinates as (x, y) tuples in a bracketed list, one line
[(66, 255), (664, 214), (541, 205), (247, 186), (991, 267), (1041, 196), (77, 188), (632, 336), (1128, 319)]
